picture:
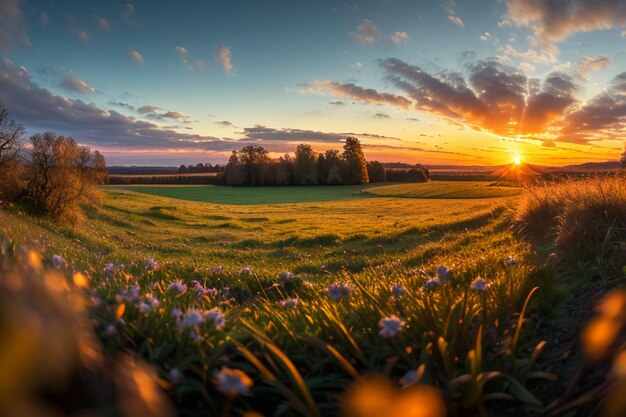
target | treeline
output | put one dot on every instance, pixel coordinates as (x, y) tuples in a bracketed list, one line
[(52, 176), (252, 166), (201, 169)]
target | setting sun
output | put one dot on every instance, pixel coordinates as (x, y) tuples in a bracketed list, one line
[(517, 159)]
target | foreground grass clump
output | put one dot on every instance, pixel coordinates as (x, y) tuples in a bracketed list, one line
[(582, 218)]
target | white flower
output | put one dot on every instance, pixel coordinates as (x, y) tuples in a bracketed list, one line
[(443, 274), (288, 302), (192, 318), (397, 290), (432, 283), (339, 290), (215, 315), (177, 287), (479, 285), (511, 261), (286, 277), (175, 376), (390, 326), (246, 271), (151, 264), (233, 382), (58, 262)]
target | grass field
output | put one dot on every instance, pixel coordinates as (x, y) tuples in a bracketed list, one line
[(300, 355), (444, 189)]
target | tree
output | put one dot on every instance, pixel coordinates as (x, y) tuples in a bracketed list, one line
[(233, 174), (255, 164), (305, 169), (376, 171), (62, 174), (622, 160), (11, 134), (355, 161)]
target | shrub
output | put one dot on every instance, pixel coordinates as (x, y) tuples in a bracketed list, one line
[(61, 175), (578, 216)]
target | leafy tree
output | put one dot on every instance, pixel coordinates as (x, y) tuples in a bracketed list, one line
[(325, 162), (305, 169), (622, 160), (283, 171), (334, 176), (355, 162), (233, 175), (376, 171), (62, 174), (255, 164)]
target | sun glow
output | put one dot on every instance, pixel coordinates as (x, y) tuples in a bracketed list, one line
[(517, 159)]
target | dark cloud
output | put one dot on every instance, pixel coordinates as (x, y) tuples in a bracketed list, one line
[(366, 95), (259, 132), (382, 116), (224, 123), (121, 104)]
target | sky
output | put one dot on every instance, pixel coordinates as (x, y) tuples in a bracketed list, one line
[(478, 82)]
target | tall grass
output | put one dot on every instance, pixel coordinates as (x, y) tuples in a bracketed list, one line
[(581, 219)]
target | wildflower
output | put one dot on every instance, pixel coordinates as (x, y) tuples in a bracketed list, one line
[(479, 285), (339, 290), (197, 287), (289, 302), (397, 290), (286, 277), (443, 274), (149, 303), (111, 268), (175, 376), (511, 261), (109, 330), (129, 295), (432, 283), (58, 262), (151, 264), (192, 318), (233, 382), (215, 315), (246, 271), (215, 270), (390, 326), (176, 313), (412, 377), (177, 287), (195, 336)]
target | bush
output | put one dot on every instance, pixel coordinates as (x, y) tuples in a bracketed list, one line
[(61, 175), (578, 216)]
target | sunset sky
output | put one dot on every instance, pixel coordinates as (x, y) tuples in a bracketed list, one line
[(438, 82)]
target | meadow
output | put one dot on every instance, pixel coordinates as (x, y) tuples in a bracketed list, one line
[(278, 301)]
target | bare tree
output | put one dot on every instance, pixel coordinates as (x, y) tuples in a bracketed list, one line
[(11, 134), (62, 174)]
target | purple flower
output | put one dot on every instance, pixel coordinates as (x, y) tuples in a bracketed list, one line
[(397, 290), (479, 285), (215, 270), (443, 274), (176, 313), (431, 284), (286, 277), (191, 319), (109, 330), (511, 261), (175, 376), (233, 382), (149, 303), (177, 287), (58, 262), (390, 326), (288, 302), (215, 315), (151, 265), (129, 295), (339, 290), (111, 268), (412, 377)]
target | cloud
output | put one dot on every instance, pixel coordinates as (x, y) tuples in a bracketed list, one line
[(12, 25), (382, 116), (400, 38), (337, 103), (38, 108), (128, 14), (121, 104), (365, 95), (264, 133), (224, 123), (587, 65), (172, 115), (78, 32), (102, 22), (43, 18), (456, 20), (365, 33), (71, 83), (199, 65), (135, 56), (485, 36), (504, 23), (224, 56), (181, 51), (554, 21), (148, 109)]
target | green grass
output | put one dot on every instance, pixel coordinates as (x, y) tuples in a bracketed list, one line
[(371, 243), (444, 189), (252, 195)]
